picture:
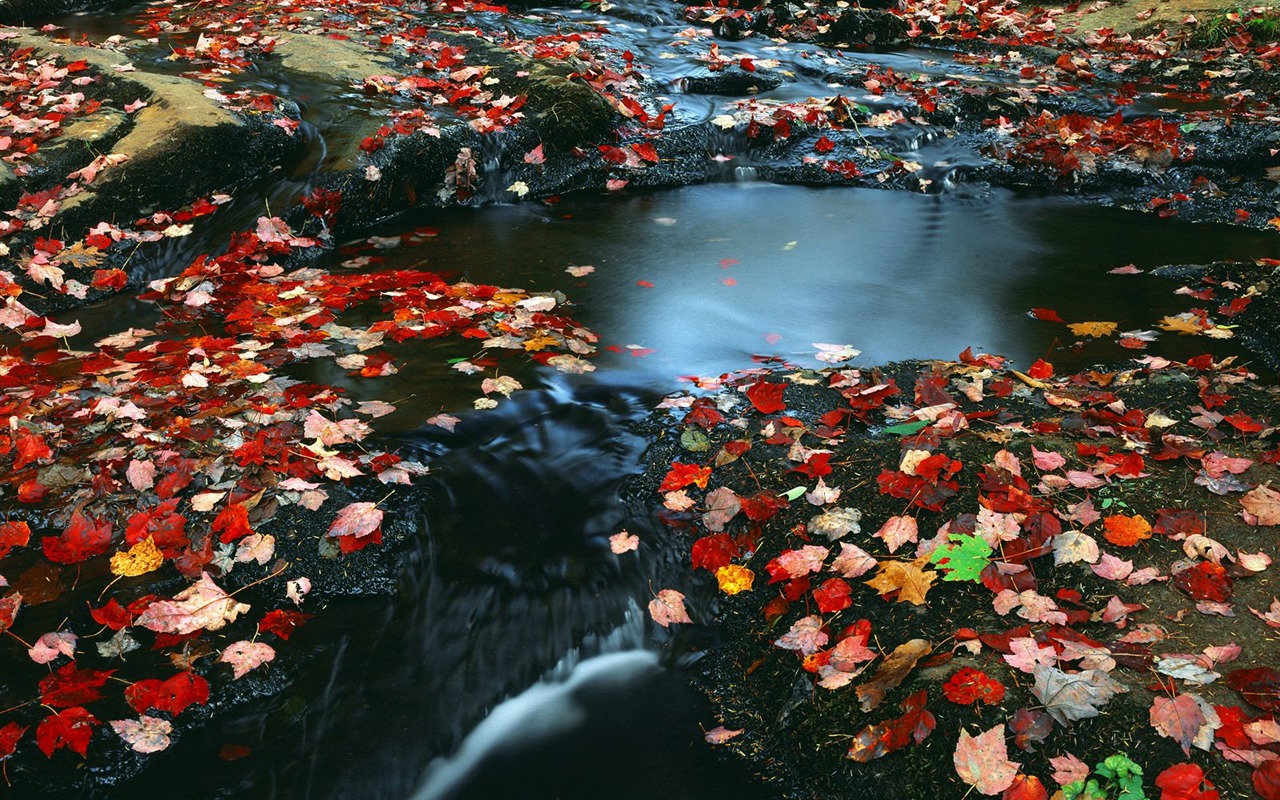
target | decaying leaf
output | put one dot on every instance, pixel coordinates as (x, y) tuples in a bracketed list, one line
[(203, 605), (891, 672), (1073, 696)]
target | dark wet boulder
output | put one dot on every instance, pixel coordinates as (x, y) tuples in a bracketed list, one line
[(732, 82), (873, 28), (29, 12)]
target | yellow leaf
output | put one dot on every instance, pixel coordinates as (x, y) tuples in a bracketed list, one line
[(1182, 323), (137, 560), (1094, 329), (540, 343), (734, 578)]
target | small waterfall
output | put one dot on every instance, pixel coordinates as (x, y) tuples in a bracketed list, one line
[(728, 151), (549, 706), (493, 177)]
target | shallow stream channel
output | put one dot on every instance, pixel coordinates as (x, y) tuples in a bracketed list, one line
[(517, 660)]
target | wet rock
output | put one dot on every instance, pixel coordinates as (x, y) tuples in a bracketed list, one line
[(875, 28), (27, 12), (733, 82), (181, 145)]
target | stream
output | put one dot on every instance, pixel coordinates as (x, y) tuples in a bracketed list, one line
[(517, 659)]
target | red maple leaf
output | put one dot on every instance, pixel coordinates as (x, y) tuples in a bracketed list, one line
[(30, 448), (172, 695), (165, 527), (1259, 686), (969, 686), (13, 534), (282, 622), (113, 615), (9, 736), (766, 397), (681, 475), (832, 596), (70, 686), (85, 537), (1185, 782), (233, 523), (71, 728), (714, 551), (1205, 581)]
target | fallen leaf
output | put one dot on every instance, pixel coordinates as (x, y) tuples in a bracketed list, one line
[(668, 608), (806, 636), (203, 605), (909, 580), (982, 761), (623, 542), (719, 734), (734, 578), (1187, 719), (1261, 506), (140, 559), (244, 656), (1070, 697), (145, 734), (1094, 329), (891, 672)]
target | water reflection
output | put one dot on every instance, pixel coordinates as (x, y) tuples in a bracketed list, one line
[(696, 280)]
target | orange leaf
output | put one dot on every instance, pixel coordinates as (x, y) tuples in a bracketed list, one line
[(1126, 531)]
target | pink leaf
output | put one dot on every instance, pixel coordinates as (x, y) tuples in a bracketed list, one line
[(721, 734), (244, 656), (1047, 461), (982, 761), (668, 608), (357, 519), (1112, 568), (897, 531), (805, 636)]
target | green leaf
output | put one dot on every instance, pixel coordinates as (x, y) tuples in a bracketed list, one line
[(694, 440), (963, 558), (794, 494), (907, 428)]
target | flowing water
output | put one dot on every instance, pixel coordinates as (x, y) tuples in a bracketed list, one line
[(517, 660)]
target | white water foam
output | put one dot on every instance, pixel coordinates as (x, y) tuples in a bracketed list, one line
[(548, 707)]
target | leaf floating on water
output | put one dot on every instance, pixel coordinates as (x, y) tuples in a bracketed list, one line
[(623, 542), (1094, 329), (668, 608)]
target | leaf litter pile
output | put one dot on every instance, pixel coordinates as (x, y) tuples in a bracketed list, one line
[(940, 578), (146, 471)]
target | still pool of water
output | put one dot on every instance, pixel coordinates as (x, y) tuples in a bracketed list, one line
[(696, 281)]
